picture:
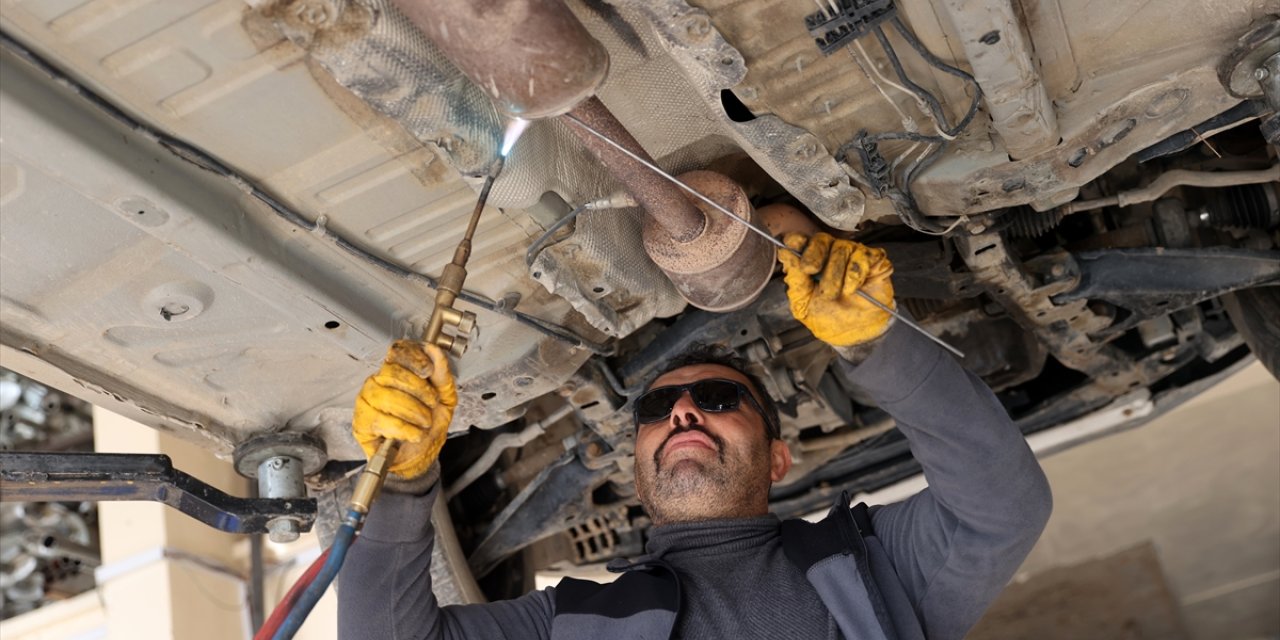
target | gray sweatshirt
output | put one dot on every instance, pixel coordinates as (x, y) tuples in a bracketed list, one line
[(933, 565), (736, 582)]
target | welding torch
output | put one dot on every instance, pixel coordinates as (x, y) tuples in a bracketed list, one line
[(288, 617), (448, 287)]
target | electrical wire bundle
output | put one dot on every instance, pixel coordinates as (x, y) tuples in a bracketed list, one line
[(876, 171)]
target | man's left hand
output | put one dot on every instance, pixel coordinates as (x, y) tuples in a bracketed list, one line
[(831, 308)]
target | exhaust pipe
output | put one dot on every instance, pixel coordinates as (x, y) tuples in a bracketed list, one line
[(667, 206), (533, 57), (536, 60)]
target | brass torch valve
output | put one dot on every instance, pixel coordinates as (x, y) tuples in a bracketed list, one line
[(444, 313), (450, 283)]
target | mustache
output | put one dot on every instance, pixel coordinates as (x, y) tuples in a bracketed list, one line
[(692, 426)]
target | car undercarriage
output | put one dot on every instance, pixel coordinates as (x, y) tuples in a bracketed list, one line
[(217, 214)]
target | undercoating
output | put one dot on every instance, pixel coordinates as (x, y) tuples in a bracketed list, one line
[(670, 61), (787, 150), (256, 299), (804, 104), (667, 68), (1098, 66)]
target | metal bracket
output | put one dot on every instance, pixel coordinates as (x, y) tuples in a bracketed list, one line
[(1156, 282), (97, 477), (846, 21)]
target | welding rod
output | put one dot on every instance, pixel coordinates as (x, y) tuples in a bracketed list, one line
[(763, 233), (910, 323)]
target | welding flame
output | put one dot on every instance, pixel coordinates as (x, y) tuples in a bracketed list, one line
[(515, 129)]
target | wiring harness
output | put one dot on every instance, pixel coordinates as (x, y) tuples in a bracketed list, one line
[(844, 22)]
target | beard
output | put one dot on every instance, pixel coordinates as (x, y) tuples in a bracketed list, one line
[(729, 485)]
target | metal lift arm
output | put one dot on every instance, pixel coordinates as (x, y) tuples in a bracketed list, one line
[(96, 477)]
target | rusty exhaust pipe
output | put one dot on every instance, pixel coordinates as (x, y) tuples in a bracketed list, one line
[(536, 60), (715, 262), (533, 57), (666, 205)]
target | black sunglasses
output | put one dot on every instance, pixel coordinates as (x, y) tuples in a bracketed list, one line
[(715, 395)]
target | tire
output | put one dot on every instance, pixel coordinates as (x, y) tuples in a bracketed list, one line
[(1256, 315)]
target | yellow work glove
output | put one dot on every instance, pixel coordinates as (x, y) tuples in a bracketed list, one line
[(831, 308), (411, 399)]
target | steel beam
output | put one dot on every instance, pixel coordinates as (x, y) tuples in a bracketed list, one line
[(1001, 56)]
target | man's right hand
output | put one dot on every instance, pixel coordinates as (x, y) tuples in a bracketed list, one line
[(410, 399)]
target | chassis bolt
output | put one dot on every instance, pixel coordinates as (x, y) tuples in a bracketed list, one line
[(697, 28), (1260, 74), (314, 14), (282, 530)]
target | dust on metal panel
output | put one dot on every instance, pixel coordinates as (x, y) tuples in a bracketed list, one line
[(239, 302)]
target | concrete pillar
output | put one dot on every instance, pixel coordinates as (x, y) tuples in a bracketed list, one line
[(165, 575)]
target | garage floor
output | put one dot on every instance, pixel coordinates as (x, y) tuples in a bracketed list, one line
[(1201, 486)]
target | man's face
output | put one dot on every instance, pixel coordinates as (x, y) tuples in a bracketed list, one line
[(702, 465)]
